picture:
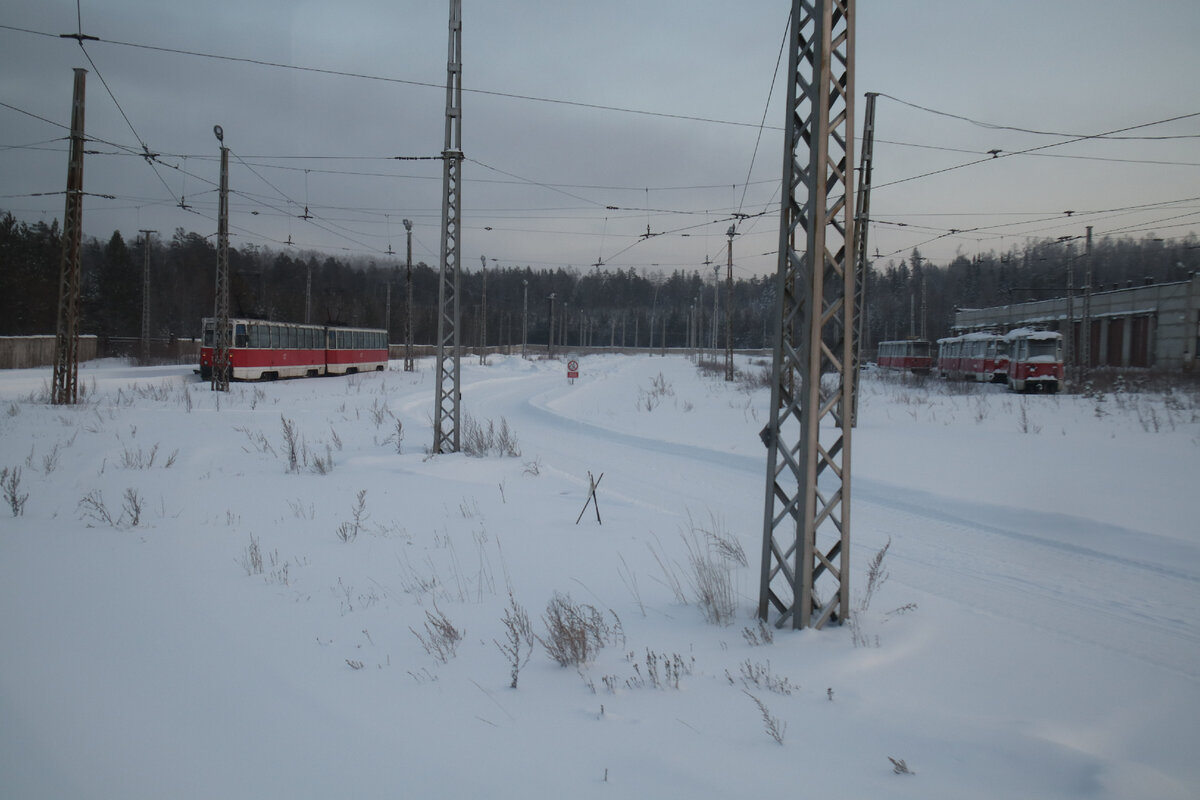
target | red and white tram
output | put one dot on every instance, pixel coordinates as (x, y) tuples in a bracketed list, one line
[(264, 350), (979, 357), (1035, 360), (906, 354)]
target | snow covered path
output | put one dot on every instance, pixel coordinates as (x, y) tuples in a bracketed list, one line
[(1072, 576)]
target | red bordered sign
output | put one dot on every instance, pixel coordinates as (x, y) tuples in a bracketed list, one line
[(572, 369)]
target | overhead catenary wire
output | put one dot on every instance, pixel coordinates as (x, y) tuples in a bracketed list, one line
[(406, 81), (581, 187), (1111, 135), (1003, 155)]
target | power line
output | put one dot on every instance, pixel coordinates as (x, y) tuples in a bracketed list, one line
[(763, 122), (1078, 136), (407, 82), (1108, 159)]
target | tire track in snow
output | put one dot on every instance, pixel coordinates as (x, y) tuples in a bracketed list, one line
[(1005, 560)]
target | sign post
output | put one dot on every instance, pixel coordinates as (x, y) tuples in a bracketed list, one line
[(572, 370)]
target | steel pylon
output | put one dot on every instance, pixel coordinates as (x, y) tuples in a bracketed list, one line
[(862, 225), (806, 521), (447, 413), (66, 340), (222, 337)]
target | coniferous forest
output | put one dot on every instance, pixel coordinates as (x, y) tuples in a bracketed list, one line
[(908, 296)]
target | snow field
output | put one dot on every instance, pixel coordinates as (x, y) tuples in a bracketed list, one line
[(1037, 636)]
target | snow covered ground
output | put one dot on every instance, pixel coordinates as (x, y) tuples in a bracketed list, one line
[(1038, 636)]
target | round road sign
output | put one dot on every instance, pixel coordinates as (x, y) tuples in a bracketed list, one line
[(573, 365)]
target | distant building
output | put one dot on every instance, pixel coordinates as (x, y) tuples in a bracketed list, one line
[(1152, 325)]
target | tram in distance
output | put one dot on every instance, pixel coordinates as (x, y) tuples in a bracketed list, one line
[(979, 357), (1025, 359), (912, 355), (262, 350), (1035, 360)]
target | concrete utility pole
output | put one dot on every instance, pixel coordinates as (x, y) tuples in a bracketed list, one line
[(447, 411), (145, 340), (409, 364), (806, 533), (66, 340), (729, 304), (550, 335), (221, 340), (483, 317)]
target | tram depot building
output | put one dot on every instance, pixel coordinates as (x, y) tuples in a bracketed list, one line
[(1152, 325)]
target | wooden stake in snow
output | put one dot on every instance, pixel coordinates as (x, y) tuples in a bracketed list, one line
[(591, 498)]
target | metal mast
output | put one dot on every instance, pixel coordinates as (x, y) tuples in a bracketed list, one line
[(145, 341), (66, 341), (409, 365), (447, 413), (806, 527), (483, 316), (1086, 332), (308, 293), (1070, 371), (862, 223), (221, 343), (729, 304)]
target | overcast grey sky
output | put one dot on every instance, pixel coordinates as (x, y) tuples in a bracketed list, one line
[(541, 176)]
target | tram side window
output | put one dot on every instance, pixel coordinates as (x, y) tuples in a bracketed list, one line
[(209, 335), (240, 338)]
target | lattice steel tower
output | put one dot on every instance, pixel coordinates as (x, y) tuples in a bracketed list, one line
[(446, 412), (66, 340), (862, 225), (144, 344), (806, 522), (222, 337)]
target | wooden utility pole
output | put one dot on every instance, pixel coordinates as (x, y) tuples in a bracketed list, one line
[(66, 340)]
